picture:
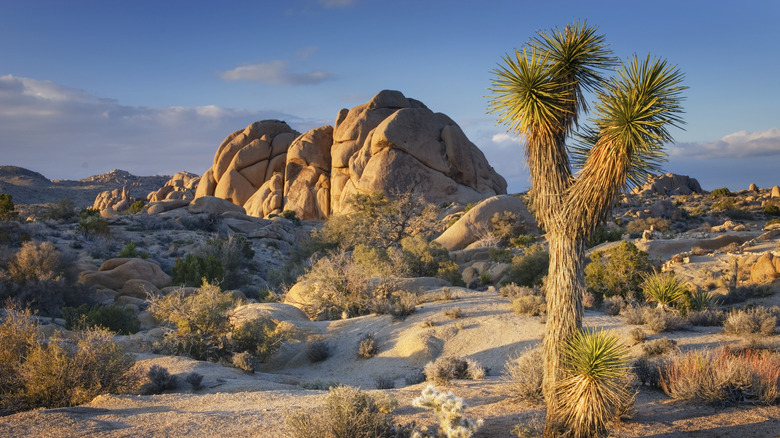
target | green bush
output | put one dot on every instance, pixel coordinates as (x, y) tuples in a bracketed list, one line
[(506, 225), (91, 226), (233, 253), (772, 210), (530, 268), (721, 193), (618, 271), (637, 226), (603, 234), (523, 240), (130, 250), (348, 412), (203, 328), (424, 258), (195, 268), (64, 209), (114, 318), (7, 207), (136, 207)]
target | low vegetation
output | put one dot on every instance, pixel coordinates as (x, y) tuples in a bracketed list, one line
[(618, 271)]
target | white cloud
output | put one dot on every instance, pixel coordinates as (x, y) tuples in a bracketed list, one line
[(740, 144), (276, 72), (57, 130), (505, 138)]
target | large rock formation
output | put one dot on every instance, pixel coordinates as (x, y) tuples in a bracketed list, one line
[(668, 185), (390, 143)]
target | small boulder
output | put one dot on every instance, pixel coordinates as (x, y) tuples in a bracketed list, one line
[(775, 192), (764, 270), (753, 188), (211, 204)]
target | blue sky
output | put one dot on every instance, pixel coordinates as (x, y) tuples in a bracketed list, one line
[(153, 87)]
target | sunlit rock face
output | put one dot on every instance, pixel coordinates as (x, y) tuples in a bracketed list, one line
[(391, 143)]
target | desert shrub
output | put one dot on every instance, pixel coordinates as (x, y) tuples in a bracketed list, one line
[(444, 369), (159, 380), (347, 412), (523, 240), (647, 371), (454, 312), (402, 304), (637, 335), (699, 300), (233, 253), (706, 318), (772, 210), (320, 385), (425, 258), (209, 223), (378, 220), (36, 262), (130, 250), (136, 207), (617, 271), (318, 351), (367, 347), (751, 321), (64, 210), (633, 315), (92, 225), (595, 390), (194, 379), (657, 347), (384, 382), (67, 373), (526, 371), (114, 318), (259, 337), (530, 268), (506, 225), (7, 207), (603, 234), (664, 288), (18, 333), (533, 305), (613, 305), (193, 269), (642, 224), (721, 192), (662, 320), (500, 255), (449, 412), (203, 327), (723, 375), (244, 361)]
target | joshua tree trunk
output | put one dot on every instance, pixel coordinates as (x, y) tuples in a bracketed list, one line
[(565, 284)]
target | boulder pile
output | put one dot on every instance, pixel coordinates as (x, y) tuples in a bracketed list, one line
[(391, 144)]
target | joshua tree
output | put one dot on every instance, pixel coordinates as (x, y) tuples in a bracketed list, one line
[(539, 93)]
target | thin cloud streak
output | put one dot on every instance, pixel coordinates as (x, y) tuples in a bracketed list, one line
[(276, 72), (740, 144), (63, 132)]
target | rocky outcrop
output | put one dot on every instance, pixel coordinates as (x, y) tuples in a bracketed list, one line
[(181, 186), (390, 144), (668, 185), (766, 268), (775, 193), (111, 202), (246, 159), (476, 223), (114, 274)]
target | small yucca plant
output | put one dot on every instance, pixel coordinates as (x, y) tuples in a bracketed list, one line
[(701, 300), (594, 392), (665, 288)]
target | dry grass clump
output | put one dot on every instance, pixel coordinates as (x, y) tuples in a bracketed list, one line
[(661, 320), (58, 372), (526, 371), (526, 300), (648, 371), (318, 351), (657, 347), (367, 347), (613, 305), (347, 412), (454, 312), (633, 315), (444, 369), (706, 318), (637, 335), (758, 320), (723, 375)]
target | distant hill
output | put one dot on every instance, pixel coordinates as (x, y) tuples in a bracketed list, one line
[(30, 187)]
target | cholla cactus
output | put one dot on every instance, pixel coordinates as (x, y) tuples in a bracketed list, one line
[(448, 410)]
